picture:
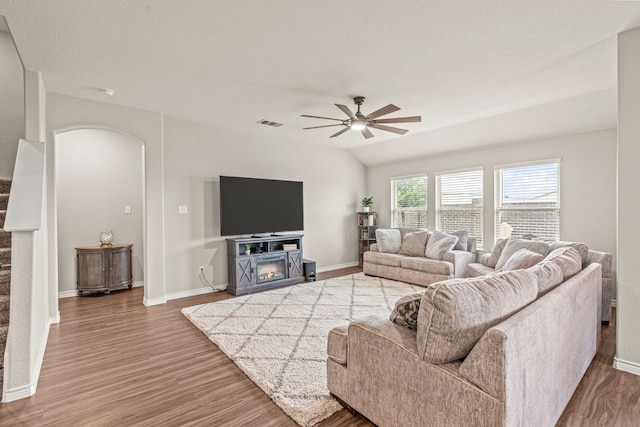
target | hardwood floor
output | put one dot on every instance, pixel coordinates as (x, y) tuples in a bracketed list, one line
[(113, 362)]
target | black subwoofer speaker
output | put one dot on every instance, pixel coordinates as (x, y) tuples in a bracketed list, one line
[(309, 270)]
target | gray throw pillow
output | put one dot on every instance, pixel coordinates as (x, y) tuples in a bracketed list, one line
[(463, 240), (388, 240), (414, 244), (514, 245), (439, 243), (490, 260), (524, 258), (405, 312)]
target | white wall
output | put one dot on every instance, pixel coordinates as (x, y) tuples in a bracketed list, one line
[(628, 326), (196, 155), (11, 104), (98, 172), (183, 161), (588, 182)]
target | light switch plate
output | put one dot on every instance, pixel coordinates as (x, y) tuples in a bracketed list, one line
[(182, 209), (127, 210)]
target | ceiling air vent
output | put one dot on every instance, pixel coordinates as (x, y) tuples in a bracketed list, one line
[(269, 123)]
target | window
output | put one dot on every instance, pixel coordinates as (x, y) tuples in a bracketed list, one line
[(459, 202), (409, 202), (528, 200)]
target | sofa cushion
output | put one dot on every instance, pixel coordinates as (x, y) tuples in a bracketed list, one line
[(582, 248), (549, 276), (523, 258), (392, 260), (455, 313), (427, 265), (405, 311), (514, 245), (475, 269), (388, 240), (406, 230), (439, 243), (338, 344), (414, 244), (491, 259), (463, 238)]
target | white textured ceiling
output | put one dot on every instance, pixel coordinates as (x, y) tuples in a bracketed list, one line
[(477, 72)]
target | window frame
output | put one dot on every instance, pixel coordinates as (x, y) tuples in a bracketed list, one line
[(394, 198), (498, 194), (438, 201)]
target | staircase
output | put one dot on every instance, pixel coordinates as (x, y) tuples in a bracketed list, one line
[(5, 273)]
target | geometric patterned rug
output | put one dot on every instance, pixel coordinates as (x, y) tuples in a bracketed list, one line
[(279, 337)]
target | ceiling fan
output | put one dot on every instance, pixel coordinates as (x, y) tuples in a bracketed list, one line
[(359, 121)]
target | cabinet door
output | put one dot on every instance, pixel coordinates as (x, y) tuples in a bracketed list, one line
[(92, 270), (295, 264), (119, 267), (244, 271)]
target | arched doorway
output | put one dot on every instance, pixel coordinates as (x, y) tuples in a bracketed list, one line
[(99, 186)]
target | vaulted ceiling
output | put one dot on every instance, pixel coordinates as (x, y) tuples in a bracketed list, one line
[(477, 71)]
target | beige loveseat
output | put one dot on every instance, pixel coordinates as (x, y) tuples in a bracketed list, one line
[(507, 349), (488, 261), (418, 269)]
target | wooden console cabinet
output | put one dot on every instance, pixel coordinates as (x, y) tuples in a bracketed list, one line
[(103, 268), (272, 261)]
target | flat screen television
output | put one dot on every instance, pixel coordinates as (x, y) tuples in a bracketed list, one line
[(259, 206)]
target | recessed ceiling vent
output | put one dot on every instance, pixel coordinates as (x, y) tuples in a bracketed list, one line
[(269, 123)]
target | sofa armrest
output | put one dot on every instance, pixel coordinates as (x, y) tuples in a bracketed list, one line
[(605, 259), (460, 260), (373, 247)]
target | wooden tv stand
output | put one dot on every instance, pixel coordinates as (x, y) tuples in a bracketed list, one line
[(272, 262)]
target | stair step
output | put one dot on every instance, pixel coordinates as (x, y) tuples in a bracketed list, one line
[(5, 255), (5, 239), (5, 186), (4, 310), (4, 201), (5, 281)]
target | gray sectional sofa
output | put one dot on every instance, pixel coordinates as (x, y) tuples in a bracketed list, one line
[(506, 349), (412, 266), (487, 263)]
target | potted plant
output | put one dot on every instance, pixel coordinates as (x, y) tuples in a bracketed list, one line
[(247, 248), (366, 203)]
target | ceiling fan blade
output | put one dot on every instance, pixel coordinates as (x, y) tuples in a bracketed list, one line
[(346, 110), (319, 117), (367, 133), (324, 126), (382, 111), (339, 133), (411, 119), (391, 129)]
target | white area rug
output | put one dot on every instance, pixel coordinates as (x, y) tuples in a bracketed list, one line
[(279, 337)]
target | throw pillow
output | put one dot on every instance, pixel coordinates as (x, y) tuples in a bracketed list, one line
[(463, 240), (524, 258), (414, 244), (405, 312), (560, 265), (490, 260), (454, 314), (388, 240), (514, 245), (582, 248), (438, 244)]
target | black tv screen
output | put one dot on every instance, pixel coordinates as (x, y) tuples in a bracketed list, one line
[(258, 206)]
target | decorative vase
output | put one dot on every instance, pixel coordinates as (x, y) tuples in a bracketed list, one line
[(106, 238)]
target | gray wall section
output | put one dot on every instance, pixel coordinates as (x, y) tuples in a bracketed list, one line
[(186, 161), (587, 183), (11, 104), (98, 173)]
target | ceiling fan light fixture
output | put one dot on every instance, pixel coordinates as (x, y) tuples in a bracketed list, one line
[(358, 125)]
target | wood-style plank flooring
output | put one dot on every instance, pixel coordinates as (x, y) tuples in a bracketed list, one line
[(113, 362)]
